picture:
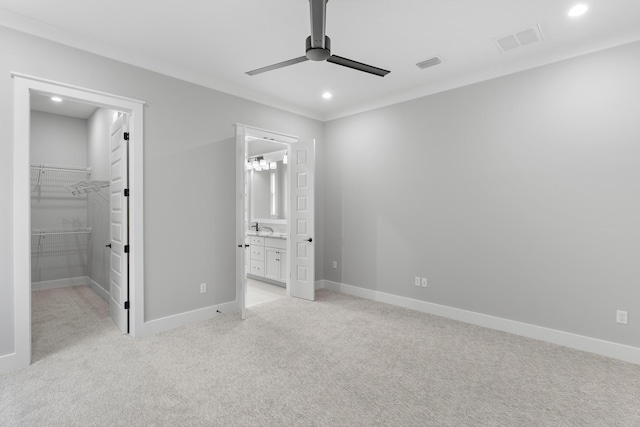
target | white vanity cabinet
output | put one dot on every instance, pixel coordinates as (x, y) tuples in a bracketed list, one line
[(256, 249), (275, 259), (268, 258)]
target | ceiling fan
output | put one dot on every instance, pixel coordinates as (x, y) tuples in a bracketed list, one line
[(318, 46)]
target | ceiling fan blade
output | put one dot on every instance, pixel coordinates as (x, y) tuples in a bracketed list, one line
[(357, 65), (318, 22), (276, 66)]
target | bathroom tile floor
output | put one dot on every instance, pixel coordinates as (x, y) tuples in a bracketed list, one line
[(260, 292)]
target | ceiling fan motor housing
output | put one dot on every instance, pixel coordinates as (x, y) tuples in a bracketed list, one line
[(319, 53)]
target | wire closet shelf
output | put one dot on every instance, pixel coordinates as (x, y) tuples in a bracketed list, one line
[(66, 176)]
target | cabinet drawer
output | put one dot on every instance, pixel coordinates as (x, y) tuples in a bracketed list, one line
[(257, 268), (257, 253), (275, 243), (255, 240)]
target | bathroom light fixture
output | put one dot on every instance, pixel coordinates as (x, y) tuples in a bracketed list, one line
[(56, 99), (285, 160), (273, 165), (578, 10), (256, 165), (264, 164), (249, 165)]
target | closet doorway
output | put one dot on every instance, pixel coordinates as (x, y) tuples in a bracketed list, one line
[(78, 194)]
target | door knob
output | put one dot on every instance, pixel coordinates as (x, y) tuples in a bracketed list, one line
[(107, 246), (309, 240)]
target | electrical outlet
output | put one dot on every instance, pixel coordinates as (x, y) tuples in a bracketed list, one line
[(335, 264), (621, 317), (417, 281), (203, 288), (424, 282)]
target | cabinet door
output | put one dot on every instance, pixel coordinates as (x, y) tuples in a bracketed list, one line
[(257, 268), (272, 263)]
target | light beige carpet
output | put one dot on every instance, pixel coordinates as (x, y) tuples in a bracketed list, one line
[(337, 361)]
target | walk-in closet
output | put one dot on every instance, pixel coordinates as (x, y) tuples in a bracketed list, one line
[(69, 155)]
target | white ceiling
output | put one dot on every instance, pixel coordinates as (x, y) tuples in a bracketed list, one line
[(214, 43), (69, 108)]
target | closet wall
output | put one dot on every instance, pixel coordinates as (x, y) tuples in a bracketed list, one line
[(56, 255), (99, 125), (69, 227)]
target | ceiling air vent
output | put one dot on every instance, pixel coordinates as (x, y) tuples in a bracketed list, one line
[(429, 62), (519, 39)]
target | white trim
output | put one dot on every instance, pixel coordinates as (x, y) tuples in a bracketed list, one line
[(60, 283), (21, 229), (10, 362), (104, 294), (23, 86), (567, 339), (74, 87), (29, 26), (174, 321)]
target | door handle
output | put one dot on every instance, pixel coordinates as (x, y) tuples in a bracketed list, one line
[(309, 240), (246, 246), (107, 246)]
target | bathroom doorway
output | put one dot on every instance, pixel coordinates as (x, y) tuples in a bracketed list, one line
[(266, 211), (275, 185)]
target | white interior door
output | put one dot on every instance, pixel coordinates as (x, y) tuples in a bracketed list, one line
[(118, 225), (301, 221), (241, 218)]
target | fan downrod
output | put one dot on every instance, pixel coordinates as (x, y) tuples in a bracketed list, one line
[(318, 53)]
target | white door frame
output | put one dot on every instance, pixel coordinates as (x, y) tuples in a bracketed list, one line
[(242, 131), (23, 86)]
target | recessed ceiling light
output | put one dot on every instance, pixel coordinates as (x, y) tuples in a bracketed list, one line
[(56, 99), (578, 10), (327, 95)]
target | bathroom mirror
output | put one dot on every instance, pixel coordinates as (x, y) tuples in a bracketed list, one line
[(269, 192), (267, 183)]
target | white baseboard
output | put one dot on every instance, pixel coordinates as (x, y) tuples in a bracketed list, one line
[(12, 361), (60, 283), (99, 289), (171, 322), (566, 339)]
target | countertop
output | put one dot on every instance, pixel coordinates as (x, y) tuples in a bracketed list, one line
[(275, 235)]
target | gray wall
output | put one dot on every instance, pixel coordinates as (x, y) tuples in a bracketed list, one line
[(518, 197), (189, 172), (58, 140), (99, 129), (99, 126)]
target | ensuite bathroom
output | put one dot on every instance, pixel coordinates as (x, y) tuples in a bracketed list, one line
[(266, 210)]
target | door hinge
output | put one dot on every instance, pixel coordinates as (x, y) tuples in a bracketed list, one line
[(126, 136), (126, 192), (126, 305), (126, 249)]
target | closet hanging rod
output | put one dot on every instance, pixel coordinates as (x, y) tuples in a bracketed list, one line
[(60, 232), (60, 168)]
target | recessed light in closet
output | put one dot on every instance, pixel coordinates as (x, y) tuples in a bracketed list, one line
[(56, 99), (327, 95), (578, 10)]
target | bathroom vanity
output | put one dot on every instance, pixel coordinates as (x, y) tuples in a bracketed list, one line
[(268, 258)]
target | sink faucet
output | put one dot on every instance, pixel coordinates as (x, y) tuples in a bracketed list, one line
[(256, 227)]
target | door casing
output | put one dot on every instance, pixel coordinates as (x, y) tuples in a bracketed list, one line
[(242, 131)]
